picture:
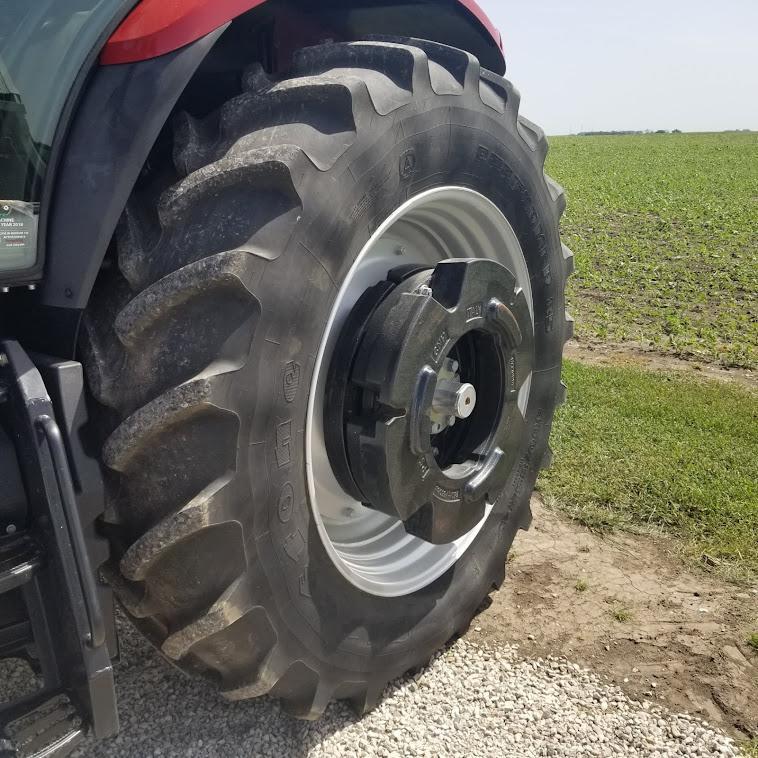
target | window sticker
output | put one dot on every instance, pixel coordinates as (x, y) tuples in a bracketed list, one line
[(18, 234)]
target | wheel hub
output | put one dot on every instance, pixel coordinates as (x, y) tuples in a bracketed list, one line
[(452, 399), (421, 415)]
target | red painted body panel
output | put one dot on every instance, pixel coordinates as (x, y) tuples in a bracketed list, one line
[(473, 7), (156, 27)]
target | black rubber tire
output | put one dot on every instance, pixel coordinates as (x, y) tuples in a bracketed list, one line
[(199, 347)]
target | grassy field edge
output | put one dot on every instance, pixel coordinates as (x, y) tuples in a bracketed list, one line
[(660, 452)]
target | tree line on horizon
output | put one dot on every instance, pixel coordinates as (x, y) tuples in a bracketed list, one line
[(622, 132)]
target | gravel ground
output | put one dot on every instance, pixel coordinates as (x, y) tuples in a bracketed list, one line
[(470, 701)]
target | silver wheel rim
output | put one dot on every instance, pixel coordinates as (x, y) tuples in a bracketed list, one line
[(370, 549)]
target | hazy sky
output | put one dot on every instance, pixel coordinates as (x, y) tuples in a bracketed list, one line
[(647, 64)]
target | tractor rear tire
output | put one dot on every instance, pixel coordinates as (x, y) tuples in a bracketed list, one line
[(199, 346)]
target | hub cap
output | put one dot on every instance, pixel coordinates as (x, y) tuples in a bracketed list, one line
[(421, 382), (390, 383)]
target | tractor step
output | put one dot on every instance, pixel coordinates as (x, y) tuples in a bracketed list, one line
[(51, 607), (48, 726), (20, 558)]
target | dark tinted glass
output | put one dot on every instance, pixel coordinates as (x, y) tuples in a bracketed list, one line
[(43, 44)]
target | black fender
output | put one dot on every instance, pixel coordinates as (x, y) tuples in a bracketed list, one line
[(119, 116), (118, 120)]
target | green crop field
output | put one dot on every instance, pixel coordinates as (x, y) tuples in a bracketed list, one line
[(665, 232)]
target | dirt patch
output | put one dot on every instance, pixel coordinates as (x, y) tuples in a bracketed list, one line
[(624, 606), (630, 354)]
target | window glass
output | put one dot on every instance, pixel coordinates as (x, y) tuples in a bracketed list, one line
[(43, 44)]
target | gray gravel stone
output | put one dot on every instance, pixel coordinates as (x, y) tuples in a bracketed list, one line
[(470, 701)]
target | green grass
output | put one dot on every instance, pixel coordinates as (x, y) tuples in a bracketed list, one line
[(664, 232), (750, 748), (680, 455), (752, 640), (622, 614)]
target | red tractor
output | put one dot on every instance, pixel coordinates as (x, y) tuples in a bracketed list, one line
[(282, 325)]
